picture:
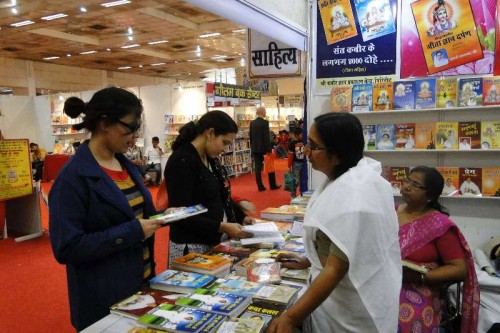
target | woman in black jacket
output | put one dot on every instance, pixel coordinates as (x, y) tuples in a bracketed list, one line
[(194, 176)]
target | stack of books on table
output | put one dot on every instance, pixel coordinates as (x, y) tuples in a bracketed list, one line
[(300, 201), (284, 213), (203, 264)]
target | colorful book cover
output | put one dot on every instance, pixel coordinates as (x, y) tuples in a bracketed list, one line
[(382, 96), (234, 248), (425, 135), (177, 281), (470, 180), (491, 182), (470, 92), (263, 311), (300, 275), (491, 90), (396, 177), (338, 20), (216, 301), (386, 137), (370, 136), (490, 134), (451, 182), (404, 95), (375, 18), (179, 318), (447, 32), (405, 136), (341, 98), (425, 97), (235, 284), (201, 261), (447, 135), (362, 97), (241, 325), (446, 94), (278, 294), (469, 135)]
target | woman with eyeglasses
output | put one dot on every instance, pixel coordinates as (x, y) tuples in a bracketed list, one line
[(99, 209), (351, 238), (429, 238)]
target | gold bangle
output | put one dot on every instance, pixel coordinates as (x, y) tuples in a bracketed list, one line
[(422, 277)]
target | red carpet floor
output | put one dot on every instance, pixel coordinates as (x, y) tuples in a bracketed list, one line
[(33, 289)]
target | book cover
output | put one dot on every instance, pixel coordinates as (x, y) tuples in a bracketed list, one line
[(405, 136), (491, 181), (217, 301), (235, 284), (404, 95), (470, 180), (469, 135), (264, 270), (267, 253), (447, 135), (262, 232), (181, 282), (278, 294), (425, 135), (470, 92), (396, 177), (338, 20), (386, 137), (283, 213), (300, 275), (370, 136), (446, 94), (201, 263), (180, 213), (340, 99), (362, 97), (451, 183), (293, 245), (176, 318), (241, 267), (414, 266), (263, 311), (241, 325), (142, 302), (233, 247), (233, 257), (375, 18), (491, 90), (490, 134), (382, 96), (425, 97)]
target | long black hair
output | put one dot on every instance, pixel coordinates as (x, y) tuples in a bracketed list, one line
[(434, 183), (220, 121)]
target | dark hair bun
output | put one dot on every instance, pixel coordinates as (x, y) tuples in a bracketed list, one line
[(73, 107)]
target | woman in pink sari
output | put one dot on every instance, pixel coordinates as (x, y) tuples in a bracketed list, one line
[(428, 237)]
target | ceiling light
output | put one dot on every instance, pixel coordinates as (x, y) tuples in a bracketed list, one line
[(14, 10), (129, 30), (130, 38), (115, 3), (68, 55), (22, 23), (158, 42), (130, 46), (124, 67), (198, 54), (140, 66), (210, 35), (198, 48), (242, 62), (239, 31), (88, 52), (158, 64), (53, 17), (13, 2), (51, 58), (108, 49), (83, 9), (215, 57)]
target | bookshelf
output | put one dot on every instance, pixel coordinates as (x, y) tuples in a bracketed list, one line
[(64, 134)]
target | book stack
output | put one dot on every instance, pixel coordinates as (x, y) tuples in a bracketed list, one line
[(283, 213), (221, 302), (298, 275), (180, 282), (203, 264), (280, 294)]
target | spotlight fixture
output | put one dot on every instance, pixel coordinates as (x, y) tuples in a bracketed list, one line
[(115, 3)]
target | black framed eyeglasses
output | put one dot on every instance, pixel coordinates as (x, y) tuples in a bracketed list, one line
[(414, 185), (313, 147), (134, 127)]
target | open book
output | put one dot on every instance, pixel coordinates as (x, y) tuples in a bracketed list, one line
[(414, 266), (265, 232), (180, 213)]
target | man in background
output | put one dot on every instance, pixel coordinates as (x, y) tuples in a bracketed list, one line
[(261, 145), (37, 158), (134, 153), (153, 159)]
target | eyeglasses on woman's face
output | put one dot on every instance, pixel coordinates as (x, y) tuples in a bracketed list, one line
[(312, 146), (132, 128), (413, 184)]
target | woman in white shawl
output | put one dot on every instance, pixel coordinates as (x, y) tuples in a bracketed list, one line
[(351, 238)]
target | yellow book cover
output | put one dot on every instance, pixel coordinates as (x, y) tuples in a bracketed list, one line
[(450, 175), (425, 135), (491, 90), (338, 20), (490, 134), (491, 181), (447, 135), (341, 99), (201, 261), (446, 93), (447, 33), (382, 96)]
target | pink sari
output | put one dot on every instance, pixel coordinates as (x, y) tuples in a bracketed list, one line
[(420, 306)]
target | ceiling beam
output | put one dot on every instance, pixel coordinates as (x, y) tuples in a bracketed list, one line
[(169, 18), (63, 35)]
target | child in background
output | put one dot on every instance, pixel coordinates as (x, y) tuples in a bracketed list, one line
[(296, 158)]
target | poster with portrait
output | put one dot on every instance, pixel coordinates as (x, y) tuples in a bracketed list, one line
[(375, 18), (338, 20), (447, 33), (413, 61)]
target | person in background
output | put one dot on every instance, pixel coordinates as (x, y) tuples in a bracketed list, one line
[(75, 145), (153, 159), (194, 176), (295, 162), (351, 238), (99, 209), (134, 153), (260, 145), (37, 157), (428, 237)]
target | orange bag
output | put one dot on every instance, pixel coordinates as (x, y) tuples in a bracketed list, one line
[(269, 163)]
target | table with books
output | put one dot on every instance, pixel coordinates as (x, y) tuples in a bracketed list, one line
[(232, 288)]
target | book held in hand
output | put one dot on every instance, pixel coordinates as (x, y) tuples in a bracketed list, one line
[(180, 282), (264, 232), (180, 214), (414, 266)]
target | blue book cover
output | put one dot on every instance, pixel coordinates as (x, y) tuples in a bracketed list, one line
[(386, 137), (425, 93), (375, 18), (370, 136), (362, 97), (177, 281), (404, 95), (216, 301), (470, 92), (235, 284)]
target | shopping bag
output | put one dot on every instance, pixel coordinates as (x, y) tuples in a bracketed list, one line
[(289, 182), (269, 163)]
